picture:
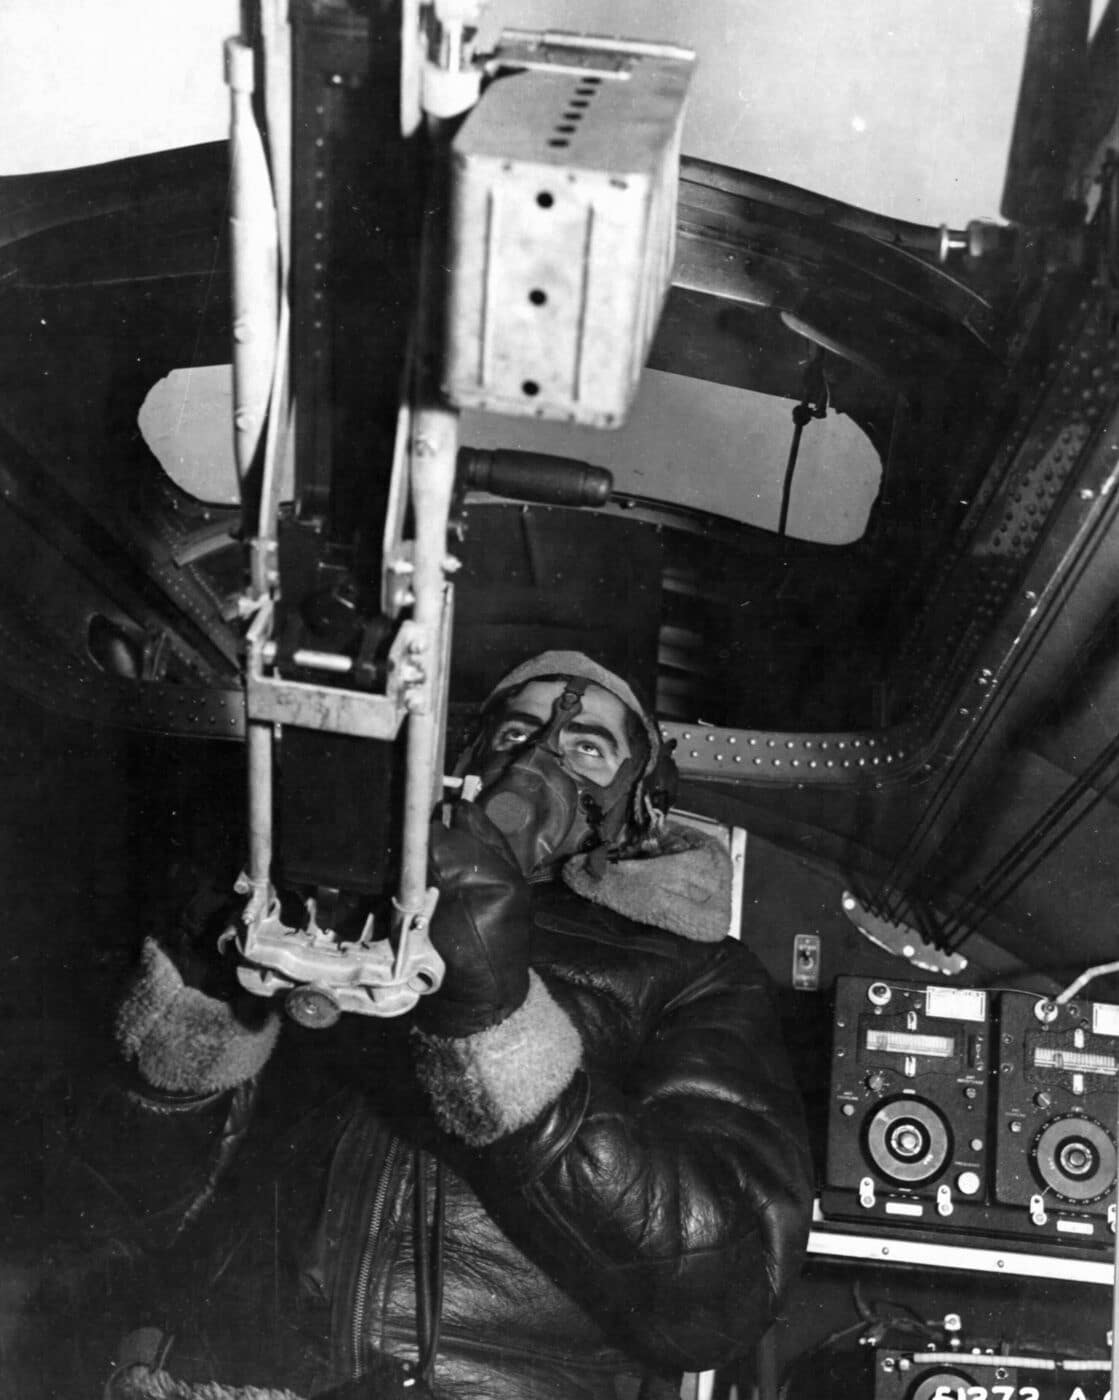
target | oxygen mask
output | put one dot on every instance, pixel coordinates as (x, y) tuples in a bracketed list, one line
[(546, 812)]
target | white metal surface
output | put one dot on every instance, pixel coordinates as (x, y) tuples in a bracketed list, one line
[(700, 1385), (563, 217), (364, 976), (255, 261), (874, 1249), (733, 840)]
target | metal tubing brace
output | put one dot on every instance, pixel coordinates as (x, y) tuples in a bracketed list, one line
[(434, 455), (258, 885), (255, 261)]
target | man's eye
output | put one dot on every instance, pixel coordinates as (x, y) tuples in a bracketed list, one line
[(589, 748), (512, 735)]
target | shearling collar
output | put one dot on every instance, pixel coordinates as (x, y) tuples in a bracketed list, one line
[(685, 889)]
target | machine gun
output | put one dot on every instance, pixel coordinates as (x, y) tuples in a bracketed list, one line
[(418, 227)]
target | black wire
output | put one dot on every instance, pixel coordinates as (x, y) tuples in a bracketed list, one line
[(1083, 786), (870, 1320), (906, 863), (872, 1313), (988, 893), (422, 1260), (438, 1273), (1026, 845), (814, 404), (802, 416), (829, 1341), (928, 925), (429, 1263)]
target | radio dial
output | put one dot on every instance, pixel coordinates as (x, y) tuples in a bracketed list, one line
[(876, 1081), (1075, 1158), (968, 1183)]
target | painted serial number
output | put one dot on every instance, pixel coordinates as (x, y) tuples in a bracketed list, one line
[(1001, 1392)]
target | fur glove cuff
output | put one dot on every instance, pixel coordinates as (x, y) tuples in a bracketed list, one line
[(183, 1041), (485, 1086)]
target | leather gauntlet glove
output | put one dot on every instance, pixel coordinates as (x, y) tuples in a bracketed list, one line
[(480, 929)]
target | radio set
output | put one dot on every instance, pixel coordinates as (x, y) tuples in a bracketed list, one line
[(955, 1109), (1056, 1100), (902, 1375)]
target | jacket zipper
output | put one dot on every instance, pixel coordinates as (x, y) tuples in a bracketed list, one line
[(365, 1270)]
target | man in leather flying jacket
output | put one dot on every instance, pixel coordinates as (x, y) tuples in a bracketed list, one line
[(576, 1170)]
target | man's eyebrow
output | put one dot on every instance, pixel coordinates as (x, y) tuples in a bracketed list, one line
[(599, 731), (522, 717), (576, 726)]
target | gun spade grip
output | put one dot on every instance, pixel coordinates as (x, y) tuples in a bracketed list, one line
[(536, 476)]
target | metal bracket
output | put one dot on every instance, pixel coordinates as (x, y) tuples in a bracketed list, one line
[(334, 709), (901, 940)]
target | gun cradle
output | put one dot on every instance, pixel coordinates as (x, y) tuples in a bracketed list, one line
[(320, 976)]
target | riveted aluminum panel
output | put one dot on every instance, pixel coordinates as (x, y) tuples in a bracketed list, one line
[(784, 759)]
